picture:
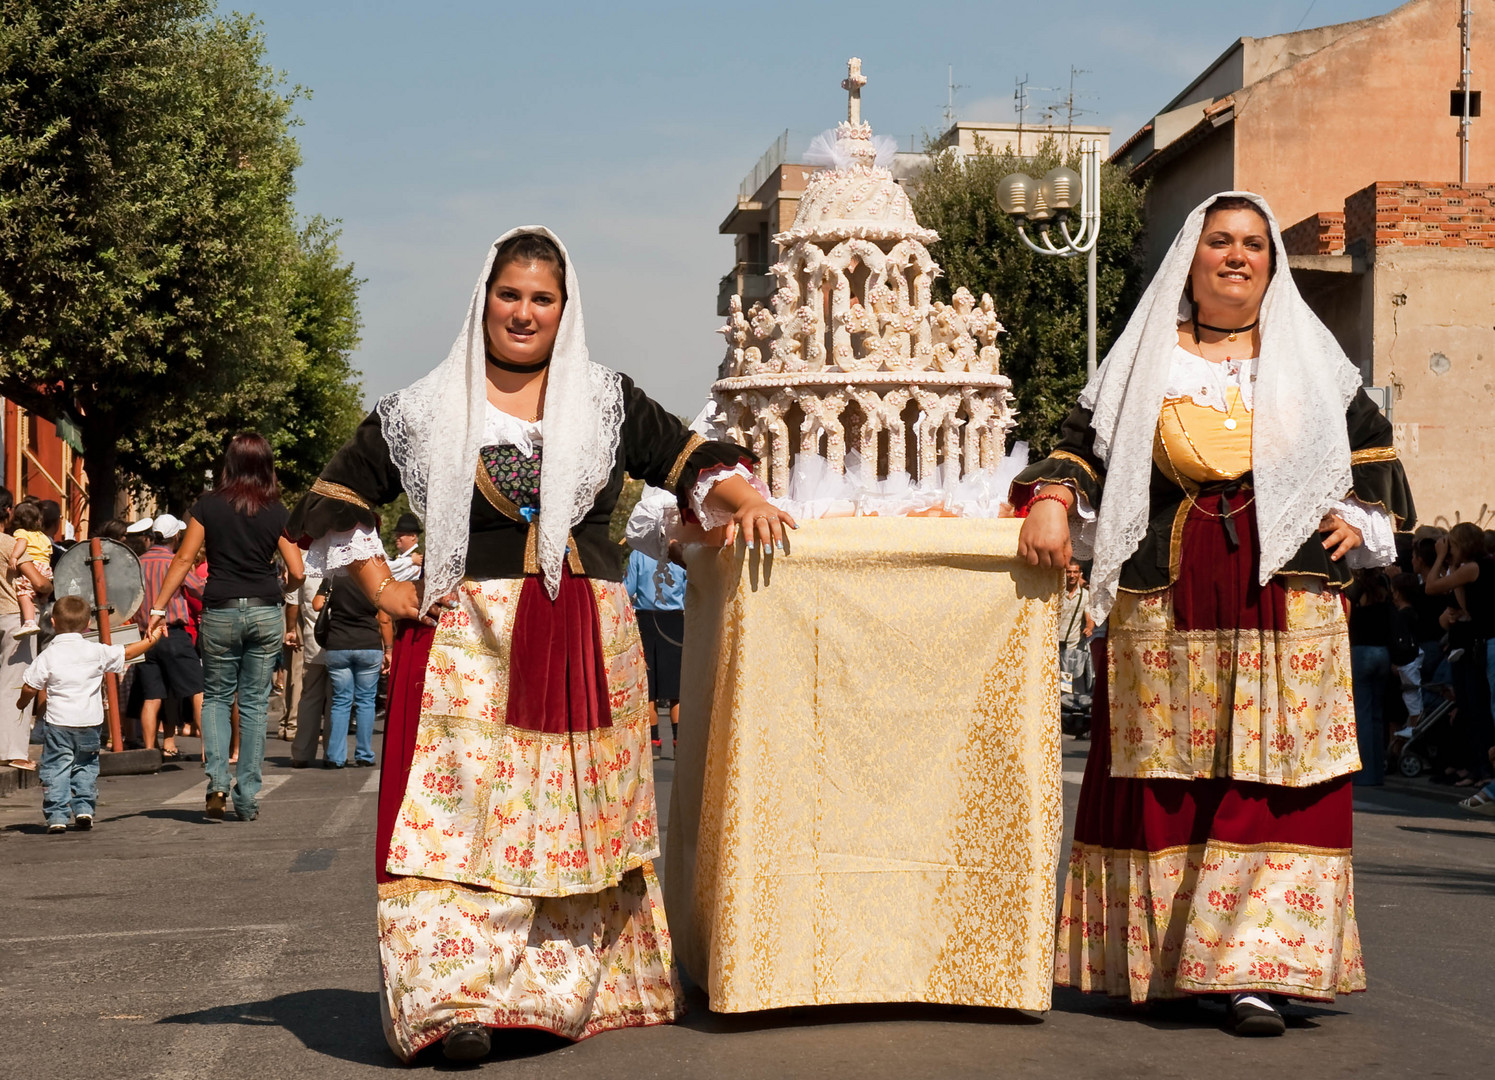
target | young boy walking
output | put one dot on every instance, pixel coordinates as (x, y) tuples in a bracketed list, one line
[(71, 672)]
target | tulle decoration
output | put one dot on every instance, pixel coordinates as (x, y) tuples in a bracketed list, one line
[(829, 152)]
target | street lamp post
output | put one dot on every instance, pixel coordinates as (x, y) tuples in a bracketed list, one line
[(1051, 202)]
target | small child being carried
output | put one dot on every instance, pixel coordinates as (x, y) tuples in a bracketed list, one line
[(26, 524), (71, 672)]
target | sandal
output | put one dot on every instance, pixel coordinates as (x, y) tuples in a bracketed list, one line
[(1480, 803), (24, 764), (171, 755)]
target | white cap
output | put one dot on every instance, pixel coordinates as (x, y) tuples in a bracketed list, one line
[(167, 525), (143, 525)]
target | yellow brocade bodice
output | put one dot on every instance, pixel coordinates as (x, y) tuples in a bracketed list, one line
[(1199, 444)]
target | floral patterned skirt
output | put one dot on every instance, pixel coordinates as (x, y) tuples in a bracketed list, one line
[(1212, 841), (516, 883)]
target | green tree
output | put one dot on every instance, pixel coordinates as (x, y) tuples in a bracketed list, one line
[(325, 403), (154, 287), (1039, 298)]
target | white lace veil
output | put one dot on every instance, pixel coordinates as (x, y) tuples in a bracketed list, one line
[(434, 428), (1300, 454)]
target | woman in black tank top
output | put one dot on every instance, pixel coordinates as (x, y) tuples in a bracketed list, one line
[(1464, 569)]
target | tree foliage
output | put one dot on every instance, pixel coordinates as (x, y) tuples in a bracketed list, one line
[(1039, 298), (154, 287)]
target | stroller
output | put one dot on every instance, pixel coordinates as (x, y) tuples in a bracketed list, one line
[(1076, 686), (1416, 748)]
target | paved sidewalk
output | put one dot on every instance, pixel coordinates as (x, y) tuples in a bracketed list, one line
[(165, 946)]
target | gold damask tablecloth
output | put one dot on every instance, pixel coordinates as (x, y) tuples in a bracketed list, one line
[(867, 800)]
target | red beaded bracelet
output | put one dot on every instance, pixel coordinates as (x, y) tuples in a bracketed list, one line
[(1052, 497)]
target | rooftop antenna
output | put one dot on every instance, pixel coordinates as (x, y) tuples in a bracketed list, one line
[(950, 87), (1020, 106)]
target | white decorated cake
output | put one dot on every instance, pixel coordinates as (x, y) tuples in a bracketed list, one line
[(853, 355)]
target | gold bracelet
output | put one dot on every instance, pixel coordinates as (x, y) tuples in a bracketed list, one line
[(380, 590)]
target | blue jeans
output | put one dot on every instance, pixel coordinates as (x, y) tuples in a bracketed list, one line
[(354, 674), (1370, 668), (69, 771), (239, 648)]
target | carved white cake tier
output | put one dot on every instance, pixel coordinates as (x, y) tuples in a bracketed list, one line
[(853, 354)]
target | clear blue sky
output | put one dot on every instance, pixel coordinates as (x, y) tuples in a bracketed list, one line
[(432, 128)]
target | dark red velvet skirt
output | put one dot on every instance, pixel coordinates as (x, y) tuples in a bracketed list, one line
[(1209, 885)]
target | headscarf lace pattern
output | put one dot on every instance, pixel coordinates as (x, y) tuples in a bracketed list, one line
[(434, 429), (1300, 453)]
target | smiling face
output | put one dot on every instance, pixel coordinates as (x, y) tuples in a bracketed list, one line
[(524, 312), (1231, 268)]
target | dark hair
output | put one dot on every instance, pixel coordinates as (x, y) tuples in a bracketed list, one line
[(51, 515), (70, 615), (1425, 550), (1407, 587), (114, 529), (7, 500), (26, 515), (1374, 586), (248, 478), (1240, 202), (529, 247)]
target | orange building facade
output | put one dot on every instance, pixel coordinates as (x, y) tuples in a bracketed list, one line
[(46, 461)]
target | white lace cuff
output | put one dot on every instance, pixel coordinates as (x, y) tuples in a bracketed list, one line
[(1376, 531), (331, 555), (710, 519), (649, 525)]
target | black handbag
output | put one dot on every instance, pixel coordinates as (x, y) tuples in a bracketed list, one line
[(323, 626)]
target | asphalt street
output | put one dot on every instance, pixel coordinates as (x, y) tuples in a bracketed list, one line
[(162, 945)]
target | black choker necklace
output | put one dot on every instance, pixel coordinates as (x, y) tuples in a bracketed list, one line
[(1233, 332), (527, 369)]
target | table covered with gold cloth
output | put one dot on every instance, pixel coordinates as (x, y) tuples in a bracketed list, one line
[(867, 799)]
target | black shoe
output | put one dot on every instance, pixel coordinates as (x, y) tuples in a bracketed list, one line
[(1252, 1014), (217, 805), (58, 829), (333, 764), (300, 764), (83, 822), (466, 1042), (364, 764)]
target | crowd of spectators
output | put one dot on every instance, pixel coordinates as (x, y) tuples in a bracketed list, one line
[(236, 631), (1422, 659)]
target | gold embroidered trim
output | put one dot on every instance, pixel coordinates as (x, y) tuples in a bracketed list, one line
[(532, 550), (336, 491), (676, 469), (447, 722), (510, 509), (497, 499), (1065, 455), (1232, 849), (1372, 454), (405, 886)]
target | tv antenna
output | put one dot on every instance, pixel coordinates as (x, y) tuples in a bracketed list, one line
[(1067, 104), (951, 86)]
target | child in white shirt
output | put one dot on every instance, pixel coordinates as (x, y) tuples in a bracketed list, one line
[(70, 671)]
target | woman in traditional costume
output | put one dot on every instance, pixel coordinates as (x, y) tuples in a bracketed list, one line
[(1226, 472), (517, 822)]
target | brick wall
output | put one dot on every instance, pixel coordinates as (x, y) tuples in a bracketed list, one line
[(1421, 213), (1317, 234)]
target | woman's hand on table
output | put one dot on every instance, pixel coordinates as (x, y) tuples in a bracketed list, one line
[(1044, 537), (760, 522), (1341, 539)]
